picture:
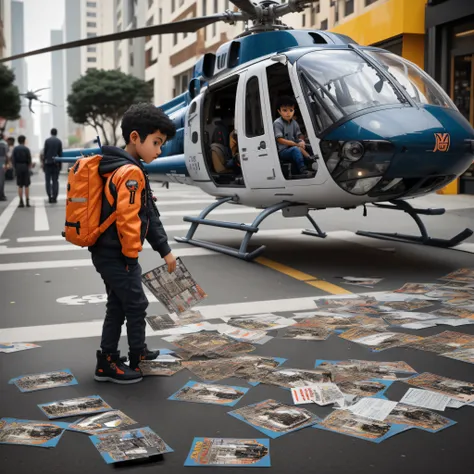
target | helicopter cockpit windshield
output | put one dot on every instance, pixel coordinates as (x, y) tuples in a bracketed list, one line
[(340, 83)]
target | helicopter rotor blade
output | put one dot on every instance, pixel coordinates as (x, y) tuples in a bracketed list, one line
[(246, 6), (190, 25), (38, 90)]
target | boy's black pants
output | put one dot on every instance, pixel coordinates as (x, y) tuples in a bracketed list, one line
[(126, 300)]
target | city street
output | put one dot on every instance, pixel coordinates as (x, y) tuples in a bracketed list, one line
[(52, 295)]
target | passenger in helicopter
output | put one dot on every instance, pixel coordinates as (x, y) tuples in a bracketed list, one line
[(290, 142)]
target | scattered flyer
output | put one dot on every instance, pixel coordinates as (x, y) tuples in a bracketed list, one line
[(166, 366), (307, 333), (419, 324), (246, 335), (131, 444), (453, 312), (177, 291), (43, 381), (417, 417), (9, 347), (465, 275), (161, 322), (75, 406), (198, 392), (327, 393), (360, 281), (44, 434), (457, 389), (378, 341), (410, 304), (346, 422), (464, 354), (373, 408), (288, 377), (228, 452), (103, 423), (189, 317), (303, 395), (263, 322), (364, 388), (275, 418), (417, 288), (425, 399)]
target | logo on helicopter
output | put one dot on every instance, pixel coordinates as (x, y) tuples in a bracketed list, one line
[(443, 141)]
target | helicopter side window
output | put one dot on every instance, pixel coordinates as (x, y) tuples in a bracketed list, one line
[(253, 109)]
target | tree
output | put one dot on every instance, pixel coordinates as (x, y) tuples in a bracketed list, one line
[(10, 103), (73, 140), (100, 98)]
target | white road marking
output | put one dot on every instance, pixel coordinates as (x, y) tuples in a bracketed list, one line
[(353, 238), (65, 247), (41, 218), (8, 267), (3, 241), (7, 214), (54, 332)]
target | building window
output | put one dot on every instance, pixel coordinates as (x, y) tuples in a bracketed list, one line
[(324, 25), (152, 88), (349, 7), (131, 60), (91, 49), (181, 3), (204, 7), (150, 21), (369, 2), (92, 4), (181, 82), (313, 16), (91, 14), (304, 21), (91, 35), (119, 14), (91, 59), (150, 3), (149, 61), (173, 6), (175, 39), (91, 24), (130, 41)]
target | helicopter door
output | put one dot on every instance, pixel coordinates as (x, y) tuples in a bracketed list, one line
[(193, 142), (254, 127)]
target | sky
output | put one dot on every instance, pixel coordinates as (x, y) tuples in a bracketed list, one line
[(41, 16)]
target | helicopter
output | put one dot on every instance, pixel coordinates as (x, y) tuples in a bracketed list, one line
[(379, 128), (33, 95)]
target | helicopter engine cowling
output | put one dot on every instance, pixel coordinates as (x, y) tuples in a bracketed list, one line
[(399, 152)]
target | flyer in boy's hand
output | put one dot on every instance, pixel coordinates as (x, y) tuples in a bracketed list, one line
[(177, 291)]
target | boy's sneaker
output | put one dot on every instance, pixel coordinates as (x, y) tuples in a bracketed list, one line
[(22, 204), (111, 369), (136, 357)]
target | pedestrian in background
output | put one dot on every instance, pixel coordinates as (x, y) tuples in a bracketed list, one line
[(53, 148), (22, 162), (3, 165)]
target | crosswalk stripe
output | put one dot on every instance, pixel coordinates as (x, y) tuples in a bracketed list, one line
[(344, 235), (7, 214), (94, 328), (41, 217), (8, 267)]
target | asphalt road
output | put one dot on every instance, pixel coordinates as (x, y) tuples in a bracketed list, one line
[(50, 293)]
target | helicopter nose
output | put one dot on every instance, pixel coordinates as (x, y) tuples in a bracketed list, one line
[(403, 152)]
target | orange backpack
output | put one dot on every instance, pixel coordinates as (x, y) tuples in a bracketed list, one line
[(85, 188)]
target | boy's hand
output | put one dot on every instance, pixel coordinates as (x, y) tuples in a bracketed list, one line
[(302, 144), (171, 262)]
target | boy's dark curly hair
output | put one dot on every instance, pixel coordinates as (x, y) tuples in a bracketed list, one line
[(145, 119), (285, 101)]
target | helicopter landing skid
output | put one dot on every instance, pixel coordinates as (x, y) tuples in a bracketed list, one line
[(424, 238), (251, 229)]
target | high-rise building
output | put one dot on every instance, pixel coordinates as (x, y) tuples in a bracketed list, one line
[(5, 28), (58, 114), (86, 19)]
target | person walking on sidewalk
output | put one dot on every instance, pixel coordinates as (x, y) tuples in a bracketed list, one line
[(3, 165), (53, 147), (22, 162)]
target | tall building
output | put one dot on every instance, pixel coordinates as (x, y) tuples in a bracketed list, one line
[(58, 114), (86, 19), (5, 28)]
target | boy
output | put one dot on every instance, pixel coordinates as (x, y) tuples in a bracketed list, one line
[(21, 158), (289, 137), (145, 129)]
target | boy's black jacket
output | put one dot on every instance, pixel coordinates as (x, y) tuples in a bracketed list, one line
[(132, 235)]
